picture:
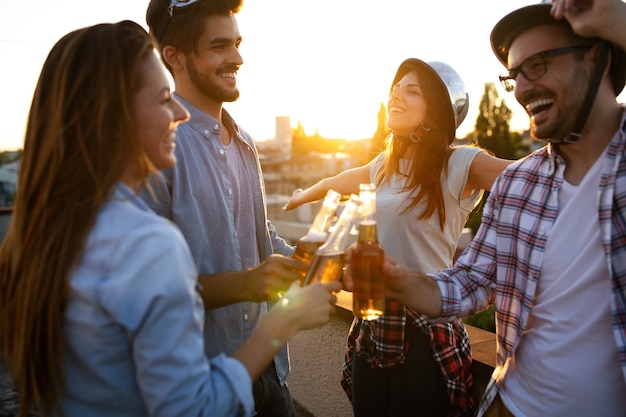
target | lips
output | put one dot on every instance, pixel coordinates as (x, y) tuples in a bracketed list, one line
[(538, 106), (395, 109)]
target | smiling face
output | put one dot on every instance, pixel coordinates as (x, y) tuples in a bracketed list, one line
[(406, 107), (157, 114), (553, 102), (213, 69)]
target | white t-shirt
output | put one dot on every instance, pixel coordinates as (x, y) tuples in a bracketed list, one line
[(567, 363), (422, 245)]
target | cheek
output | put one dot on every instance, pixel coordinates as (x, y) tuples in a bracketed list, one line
[(416, 106)]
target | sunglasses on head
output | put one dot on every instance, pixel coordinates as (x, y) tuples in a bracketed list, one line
[(177, 4)]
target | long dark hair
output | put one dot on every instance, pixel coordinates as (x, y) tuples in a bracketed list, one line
[(80, 139), (429, 152)]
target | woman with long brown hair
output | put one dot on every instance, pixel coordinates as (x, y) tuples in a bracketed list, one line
[(99, 310), (401, 364)]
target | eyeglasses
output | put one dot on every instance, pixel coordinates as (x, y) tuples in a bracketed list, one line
[(176, 4), (535, 66)]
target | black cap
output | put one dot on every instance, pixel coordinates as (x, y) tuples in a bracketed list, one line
[(516, 22)]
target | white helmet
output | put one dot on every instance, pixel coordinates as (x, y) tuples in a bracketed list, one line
[(448, 83)]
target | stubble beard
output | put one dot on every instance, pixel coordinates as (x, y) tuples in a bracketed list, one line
[(568, 112), (211, 89)]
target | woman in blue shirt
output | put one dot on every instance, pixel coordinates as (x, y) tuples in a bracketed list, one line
[(100, 313)]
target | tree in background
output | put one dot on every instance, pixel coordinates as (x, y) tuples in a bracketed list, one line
[(382, 131), (492, 131)]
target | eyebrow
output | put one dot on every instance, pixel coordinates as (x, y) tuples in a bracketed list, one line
[(224, 40)]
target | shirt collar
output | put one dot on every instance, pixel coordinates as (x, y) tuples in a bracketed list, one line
[(122, 192), (200, 120)]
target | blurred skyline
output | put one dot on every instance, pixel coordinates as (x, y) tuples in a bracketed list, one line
[(326, 63)]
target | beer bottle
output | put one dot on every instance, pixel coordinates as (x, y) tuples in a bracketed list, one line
[(368, 296), (318, 232), (330, 257)]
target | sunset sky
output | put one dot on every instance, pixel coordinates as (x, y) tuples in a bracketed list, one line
[(325, 63)]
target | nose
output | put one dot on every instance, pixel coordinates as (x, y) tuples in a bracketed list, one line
[(181, 114), (395, 95), (236, 57), (522, 86)]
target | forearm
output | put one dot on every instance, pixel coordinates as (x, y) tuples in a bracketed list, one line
[(423, 295), (265, 343), (417, 291), (300, 308), (616, 34), (345, 183), (314, 193), (219, 290)]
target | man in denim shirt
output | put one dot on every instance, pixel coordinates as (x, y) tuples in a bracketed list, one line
[(215, 193)]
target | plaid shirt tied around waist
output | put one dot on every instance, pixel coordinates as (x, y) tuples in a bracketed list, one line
[(381, 343)]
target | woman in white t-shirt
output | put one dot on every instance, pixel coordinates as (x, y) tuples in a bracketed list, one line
[(425, 189)]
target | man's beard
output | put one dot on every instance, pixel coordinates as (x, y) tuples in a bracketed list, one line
[(209, 88), (569, 111)]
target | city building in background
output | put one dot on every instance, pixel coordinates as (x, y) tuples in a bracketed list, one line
[(8, 183)]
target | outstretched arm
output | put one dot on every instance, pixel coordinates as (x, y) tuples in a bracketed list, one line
[(594, 18), (345, 183), (299, 309), (483, 172)]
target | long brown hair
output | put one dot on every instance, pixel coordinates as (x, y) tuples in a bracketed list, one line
[(429, 154), (79, 141)]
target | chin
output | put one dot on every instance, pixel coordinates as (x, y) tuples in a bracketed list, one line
[(165, 162)]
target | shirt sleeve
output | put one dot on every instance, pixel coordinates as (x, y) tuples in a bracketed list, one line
[(154, 300), (458, 173), (468, 286)]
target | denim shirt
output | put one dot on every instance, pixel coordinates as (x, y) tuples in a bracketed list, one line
[(133, 325), (196, 195)]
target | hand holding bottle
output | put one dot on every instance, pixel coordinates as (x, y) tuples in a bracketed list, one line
[(318, 232), (330, 257)]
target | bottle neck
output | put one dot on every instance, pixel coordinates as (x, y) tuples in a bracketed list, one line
[(367, 231)]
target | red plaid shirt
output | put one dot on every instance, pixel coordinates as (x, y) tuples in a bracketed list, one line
[(381, 343)]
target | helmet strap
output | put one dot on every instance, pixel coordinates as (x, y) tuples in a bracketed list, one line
[(417, 134), (592, 92)]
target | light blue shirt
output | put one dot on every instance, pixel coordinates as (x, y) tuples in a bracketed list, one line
[(133, 325), (197, 195)]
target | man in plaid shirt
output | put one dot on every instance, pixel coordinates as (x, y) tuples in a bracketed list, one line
[(551, 249)]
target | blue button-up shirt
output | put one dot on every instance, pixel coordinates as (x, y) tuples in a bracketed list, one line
[(503, 262), (196, 195), (133, 325)]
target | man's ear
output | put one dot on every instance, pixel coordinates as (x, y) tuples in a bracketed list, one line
[(173, 57)]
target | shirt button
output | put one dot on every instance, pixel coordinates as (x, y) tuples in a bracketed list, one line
[(221, 151), (217, 126), (230, 191), (206, 132), (245, 317)]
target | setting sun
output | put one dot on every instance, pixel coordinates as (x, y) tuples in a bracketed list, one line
[(326, 64)]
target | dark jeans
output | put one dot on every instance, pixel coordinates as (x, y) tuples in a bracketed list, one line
[(270, 398), (415, 388)]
